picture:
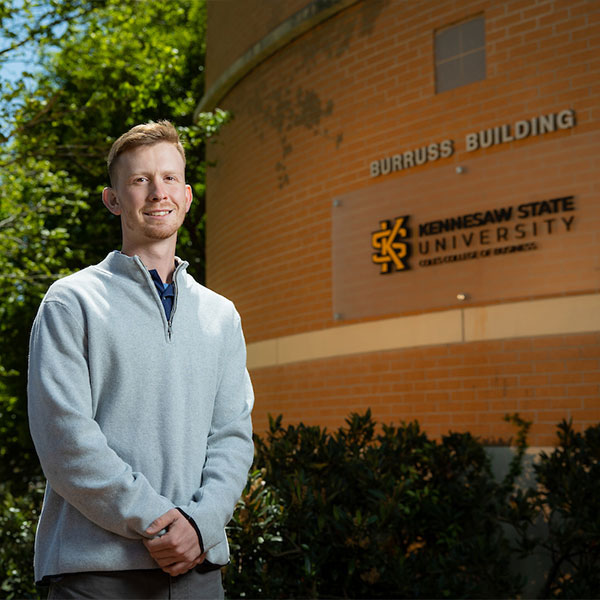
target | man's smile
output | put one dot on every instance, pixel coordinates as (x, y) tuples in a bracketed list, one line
[(158, 213)]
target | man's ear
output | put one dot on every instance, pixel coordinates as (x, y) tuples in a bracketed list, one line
[(188, 197), (110, 200)]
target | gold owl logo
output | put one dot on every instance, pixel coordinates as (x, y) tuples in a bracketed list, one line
[(390, 244)]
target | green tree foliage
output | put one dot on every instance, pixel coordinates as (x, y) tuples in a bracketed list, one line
[(18, 519), (98, 68), (38, 207), (25, 27)]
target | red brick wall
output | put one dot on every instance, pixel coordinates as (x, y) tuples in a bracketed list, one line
[(308, 121), (236, 25), (358, 87), (458, 387)]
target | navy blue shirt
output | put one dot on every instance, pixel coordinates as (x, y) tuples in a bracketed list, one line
[(166, 291)]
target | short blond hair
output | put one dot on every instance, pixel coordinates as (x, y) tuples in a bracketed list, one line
[(146, 134)]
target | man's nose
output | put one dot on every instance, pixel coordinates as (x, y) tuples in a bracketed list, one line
[(158, 191)]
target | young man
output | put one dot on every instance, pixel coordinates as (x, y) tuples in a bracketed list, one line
[(139, 401)]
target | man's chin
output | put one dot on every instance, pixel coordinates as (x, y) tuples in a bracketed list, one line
[(160, 233)]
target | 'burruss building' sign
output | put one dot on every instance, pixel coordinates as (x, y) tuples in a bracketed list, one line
[(485, 138)]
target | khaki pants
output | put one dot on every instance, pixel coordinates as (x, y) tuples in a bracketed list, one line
[(151, 584)]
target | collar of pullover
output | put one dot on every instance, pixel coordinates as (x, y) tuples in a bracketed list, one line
[(133, 267)]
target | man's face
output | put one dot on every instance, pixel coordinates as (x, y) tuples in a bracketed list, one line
[(149, 193)]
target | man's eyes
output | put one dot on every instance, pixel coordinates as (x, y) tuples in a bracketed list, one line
[(145, 179)]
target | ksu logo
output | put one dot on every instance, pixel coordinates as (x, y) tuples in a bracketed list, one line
[(390, 244)]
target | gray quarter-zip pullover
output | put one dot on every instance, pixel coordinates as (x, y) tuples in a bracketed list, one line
[(133, 414)]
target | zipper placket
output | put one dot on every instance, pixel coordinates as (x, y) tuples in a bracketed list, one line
[(169, 321), (174, 307)]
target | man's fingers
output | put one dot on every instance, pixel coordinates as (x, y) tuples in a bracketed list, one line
[(167, 561), (175, 569), (170, 556), (179, 568), (166, 550), (178, 550), (162, 522), (182, 567)]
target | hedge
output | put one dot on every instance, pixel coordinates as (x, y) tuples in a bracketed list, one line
[(372, 511), (389, 513)]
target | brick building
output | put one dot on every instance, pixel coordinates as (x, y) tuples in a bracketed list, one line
[(405, 208)]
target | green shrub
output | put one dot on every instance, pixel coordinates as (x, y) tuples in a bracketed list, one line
[(569, 499), (254, 534), (359, 514), (388, 513)]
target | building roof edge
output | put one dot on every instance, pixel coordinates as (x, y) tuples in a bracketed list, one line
[(305, 19)]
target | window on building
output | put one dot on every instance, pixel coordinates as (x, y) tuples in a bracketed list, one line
[(460, 54)]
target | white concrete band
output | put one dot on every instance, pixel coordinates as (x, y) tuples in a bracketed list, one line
[(550, 316)]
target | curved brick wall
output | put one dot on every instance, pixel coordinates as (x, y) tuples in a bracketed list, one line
[(310, 119)]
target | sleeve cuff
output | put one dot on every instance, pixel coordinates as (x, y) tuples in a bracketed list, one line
[(193, 524)]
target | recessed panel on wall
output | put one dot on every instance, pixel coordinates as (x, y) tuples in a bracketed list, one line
[(517, 223)]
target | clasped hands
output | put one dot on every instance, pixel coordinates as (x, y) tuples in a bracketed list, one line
[(178, 550)]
